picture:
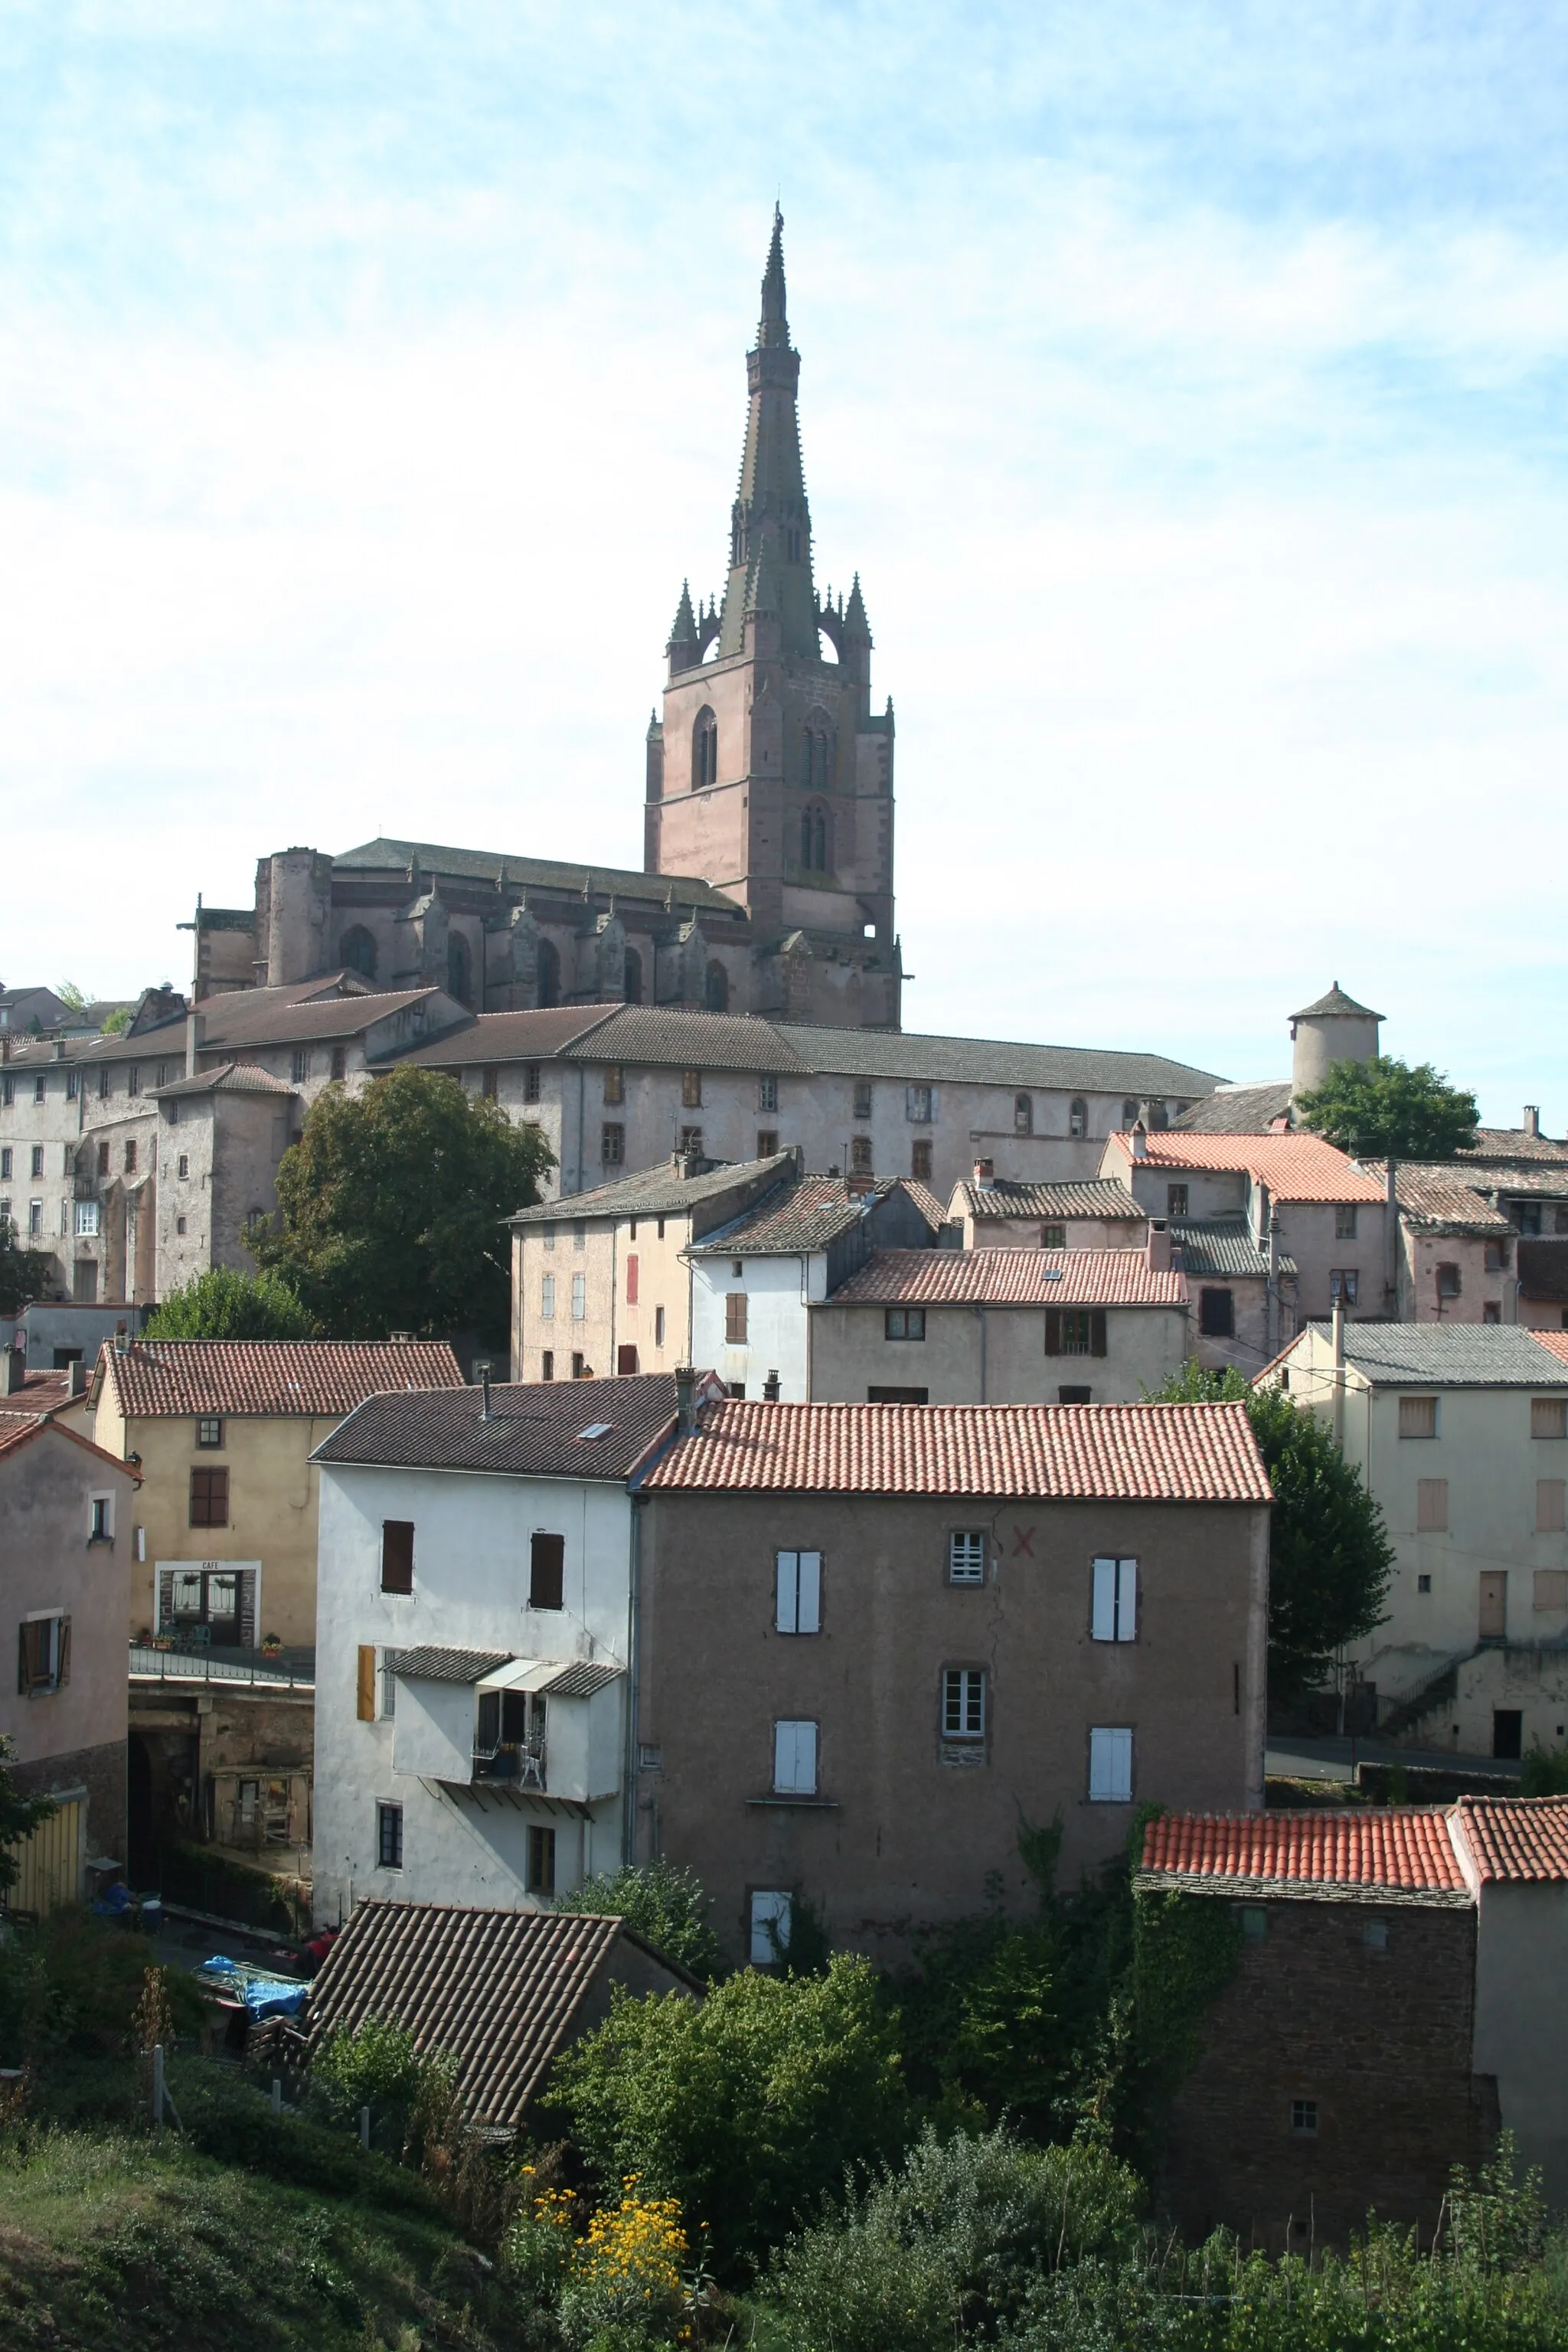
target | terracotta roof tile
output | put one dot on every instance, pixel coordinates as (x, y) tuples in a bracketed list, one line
[(1556, 1341), (1515, 1837), (1439, 1196), (1098, 1196), (160, 1378), (1011, 1277), (1403, 1847), (1131, 1453), (1294, 1167)]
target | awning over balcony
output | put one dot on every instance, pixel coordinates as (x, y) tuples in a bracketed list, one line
[(550, 1677)]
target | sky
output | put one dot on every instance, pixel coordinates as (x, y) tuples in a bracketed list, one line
[(1184, 380)]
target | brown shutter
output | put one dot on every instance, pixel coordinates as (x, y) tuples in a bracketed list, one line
[(735, 1319), (1053, 1330), (64, 1674), (397, 1555), (1096, 1331), (365, 1697)]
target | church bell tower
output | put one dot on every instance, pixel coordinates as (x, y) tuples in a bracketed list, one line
[(770, 776)]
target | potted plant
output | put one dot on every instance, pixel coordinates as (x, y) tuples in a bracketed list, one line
[(271, 1643)]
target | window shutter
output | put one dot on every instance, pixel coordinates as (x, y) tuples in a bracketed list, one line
[(631, 1282), (809, 1610), (64, 1674), (1104, 1626), (735, 1319), (1053, 1330), (364, 1696), (787, 1567), (1126, 1600), (1096, 1331)]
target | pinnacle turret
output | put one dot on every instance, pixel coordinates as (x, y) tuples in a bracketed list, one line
[(857, 628)]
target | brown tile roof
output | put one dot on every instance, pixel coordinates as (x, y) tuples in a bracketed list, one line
[(227, 1078), (1514, 1143), (660, 1192), (925, 1201), (161, 1378), (1238, 1110), (501, 1992), (1437, 1196), (806, 1216), (288, 1016), (535, 1430), (647, 1035), (527, 1036), (1100, 1196), (1131, 1453), (1403, 1847), (1515, 1837), (1006, 1277), (1294, 1167)]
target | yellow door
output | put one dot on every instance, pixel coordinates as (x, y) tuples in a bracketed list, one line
[(53, 1861)]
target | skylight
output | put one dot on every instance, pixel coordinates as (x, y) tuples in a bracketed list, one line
[(595, 1429)]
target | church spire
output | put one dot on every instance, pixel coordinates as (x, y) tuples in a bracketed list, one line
[(772, 326), (770, 511)]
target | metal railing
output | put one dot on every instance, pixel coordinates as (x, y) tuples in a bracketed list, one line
[(148, 1664)]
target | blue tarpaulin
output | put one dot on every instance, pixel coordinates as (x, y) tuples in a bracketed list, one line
[(263, 1996)]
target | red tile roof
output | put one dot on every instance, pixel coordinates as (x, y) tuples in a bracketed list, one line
[(1406, 1847), (1294, 1167), (1099, 1452), (1515, 1837), (1556, 1341), (1011, 1277), (160, 1378)]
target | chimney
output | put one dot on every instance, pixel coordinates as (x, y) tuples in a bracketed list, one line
[(484, 1392), (59, 1049), (1532, 1119), (1391, 1237), (1159, 1245), (986, 1174), (77, 1379), (685, 1395), (771, 1389), (121, 1340), (14, 1373), (1338, 1400), (1140, 1140), (196, 1037)]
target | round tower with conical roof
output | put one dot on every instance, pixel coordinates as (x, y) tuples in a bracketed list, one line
[(1334, 1029)]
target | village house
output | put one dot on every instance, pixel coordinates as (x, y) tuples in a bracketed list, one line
[(1240, 1294), (945, 1621), (1460, 1432), (1543, 1301), (222, 1433), (475, 1631), (1002, 1327), (992, 1213), (65, 1573)]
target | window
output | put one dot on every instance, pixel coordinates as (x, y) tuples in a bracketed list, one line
[(397, 1555), (966, 1555), (1345, 1220), (531, 1082), (917, 1106), (547, 1364), (184, 1163), (67, 1160), (632, 1279), (549, 1233), (1109, 1765), (862, 1099), (299, 1065), (389, 1837), (209, 1429), (1022, 1115), (704, 751), (795, 1758), (1375, 1935), (1304, 2117), (1549, 1416), (1175, 1199), (87, 1219), (8, 1091), (578, 1297), (43, 1654), (767, 1094), (1216, 1314), (964, 1703), (797, 1592), (1114, 1616), (1527, 1216), (1423, 1584), (770, 1913), (734, 1319), (1447, 1281), (579, 1235), (105, 1084), (39, 1085), (64, 1217), (1550, 1518), (541, 1859), (626, 1364), (1344, 1282), (658, 1326), (340, 1066), (904, 1323), (131, 1158), (100, 1519), (1053, 1236), (1431, 1506), (35, 1219), (860, 1155), (5, 1160), (1075, 1331), (179, 1224), (897, 1396), (547, 1571), (103, 1159), (1077, 1118), (73, 1084), (919, 1162), (767, 1142), (1254, 1923), (611, 1144), (614, 1084), (1491, 1312), (691, 1142), (547, 1299), (209, 1498), (577, 1363), (1070, 1395), (691, 1089), (1551, 1583), (1495, 1257), (1418, 1416), (35, 1165)]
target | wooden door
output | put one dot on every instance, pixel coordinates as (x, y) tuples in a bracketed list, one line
[(1493, 1624)]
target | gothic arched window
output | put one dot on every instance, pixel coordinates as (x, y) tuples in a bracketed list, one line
[(805, 838), (816, 841), (634, 977), (356, 951), (459, 981), (704, 751), (819, 843), (549, 971), (716, 995), (816, 753), (1078, 1117)]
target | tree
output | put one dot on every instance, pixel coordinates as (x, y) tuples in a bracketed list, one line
[(394, 1208), (1385, 1109), (19, 1817), (118, 1022), (665, 1906), (1329, 1554), (70, 997), (224, 1304), (25, 1274)]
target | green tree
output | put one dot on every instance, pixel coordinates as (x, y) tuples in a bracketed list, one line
[(1385, 1109), (1329, 1553), (19, 1816), (118, 1023), (25, 1274), (70, 997), (393, 1207), (665, 1906), (223, 1303), (748, 2107)]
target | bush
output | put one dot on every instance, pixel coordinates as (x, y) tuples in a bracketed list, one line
[(1544, 1771), (665, 1906), (76, 1981), (223, 1303), (748, 2107)]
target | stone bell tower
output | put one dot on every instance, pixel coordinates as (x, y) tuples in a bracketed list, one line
[(770, 775)]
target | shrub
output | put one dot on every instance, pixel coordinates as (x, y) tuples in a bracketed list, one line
[(665, 1906), (224, 1304), (1544, 1771)]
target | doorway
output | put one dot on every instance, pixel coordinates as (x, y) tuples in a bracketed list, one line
[(1493, 1615)]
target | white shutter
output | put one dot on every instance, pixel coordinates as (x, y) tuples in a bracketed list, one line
[(771, 1909), (1127, 1600), (795, 1758), (787, 1606), (1104, 1624), (808, 1619), (1109, 1766)]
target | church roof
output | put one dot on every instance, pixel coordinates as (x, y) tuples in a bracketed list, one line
[(384, 855), (880, 1054)]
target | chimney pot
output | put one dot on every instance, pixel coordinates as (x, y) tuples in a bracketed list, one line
[(1140, 1140), (986, 1173), (685, 1393), (771, 1389), (15, 1370), (1158, 1246)]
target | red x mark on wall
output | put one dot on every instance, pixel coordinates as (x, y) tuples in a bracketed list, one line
[(1024, 1543)]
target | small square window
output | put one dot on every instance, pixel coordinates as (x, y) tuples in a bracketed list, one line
[(1216, 1314), (1549, 1416), (389, 1837), (1375, 1935), (1254, 1923), (1344, 1284), (1418, 1416), (1069, 1394), (209, 1429), (904, 1323), (966, 1555), (1423, 1584), (767, 1142), (1304, 2117), (1053, 1237)]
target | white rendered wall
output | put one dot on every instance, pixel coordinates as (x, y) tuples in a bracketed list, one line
[(777, 1325)]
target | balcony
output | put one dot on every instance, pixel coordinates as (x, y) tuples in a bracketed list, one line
[(492, 1727)]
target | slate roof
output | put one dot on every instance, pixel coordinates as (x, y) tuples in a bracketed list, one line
[(1005, 1278), (1296, 1168), (1519, 1838), (1238, 1110), (157, 1378), (434, 1665), (805, 1216), (384, 855), (511, 1036), (1099, 1196), (535, 1429), (289, 1016), (501, 1990), (1101, 1453), (228, 1078), (1451, 1355), (925, 1201), (1435, 1194), (1405, 1849), (655, 1193), (1336, 1002), (649, 1035), (1214, 1247), (986, 1061)]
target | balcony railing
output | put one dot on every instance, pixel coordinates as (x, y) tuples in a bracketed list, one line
[(519, 1763)]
